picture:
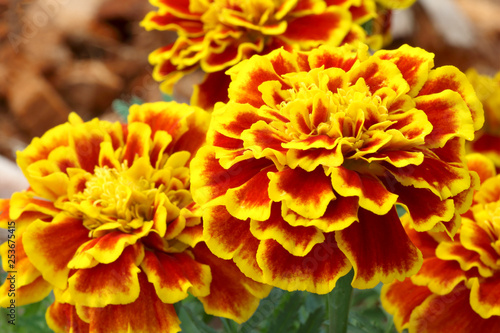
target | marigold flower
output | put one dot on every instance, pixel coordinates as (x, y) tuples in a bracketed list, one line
[(488, 139), (216, 34), (458, 287), (305, 163), (109, 223)]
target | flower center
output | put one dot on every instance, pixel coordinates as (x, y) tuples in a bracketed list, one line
[(115, 192), (116, 198), (348, 113)]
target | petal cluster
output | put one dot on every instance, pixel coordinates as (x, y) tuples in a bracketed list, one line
[(458, 287), (305, 164), (110, 225), (216, 34), (487, 140)]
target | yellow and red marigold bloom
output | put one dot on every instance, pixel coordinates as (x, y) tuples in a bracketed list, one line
[(216, 34), (304, 165), (458, 287), (488, 139), (109, 224)]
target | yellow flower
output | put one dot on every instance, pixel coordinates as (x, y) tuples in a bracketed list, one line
[(488, 139), (458, 287), (304, 165), (216, 34), (109, 223)]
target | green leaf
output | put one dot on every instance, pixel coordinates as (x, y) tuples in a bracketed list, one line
[(121, 107), (286, 314), (401, 211), (166, 97), (191, 322), (313, 301), (313, 322), (230, 326), (362, 325), (368, 27)]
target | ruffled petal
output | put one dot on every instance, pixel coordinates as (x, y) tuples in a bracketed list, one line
[(343, 57), (449, 116), (425, 213), (372, 194), (24, 209), (378, 74), (306, 193), (210, 180), (379, 249), (251, 199), (474, 238), (466, 258), (14, 258), (169, 21), (176, 274), (245, 80), (180, 8), (86, 142), (414, 64), (400, 298), (138, 139), (450, 78), (12, 293), (490, 191), (228, 237), (482, 165), (339, 214), (450, 313), (298, 240), (232, 294), (316, 272), (309, 31), (62, 317), (146, 314), (213, 89), (443, 179), (424, 241), (104, 284), (440, 276), (485, 297), (107, 248), (51, 246)]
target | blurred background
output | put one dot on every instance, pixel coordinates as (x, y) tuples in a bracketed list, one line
[(58, 56)]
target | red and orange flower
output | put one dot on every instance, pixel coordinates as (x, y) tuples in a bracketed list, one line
[(216, 34), (109, 224), (458, 287), (304, 165), (488, 139)]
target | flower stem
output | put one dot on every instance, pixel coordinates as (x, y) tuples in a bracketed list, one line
[(339, 300)]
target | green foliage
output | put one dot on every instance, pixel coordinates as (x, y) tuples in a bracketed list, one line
[(193, 317), (401, 211), (166, 97), (121, 107), (369, 27), (314, 321), (286, 313)]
